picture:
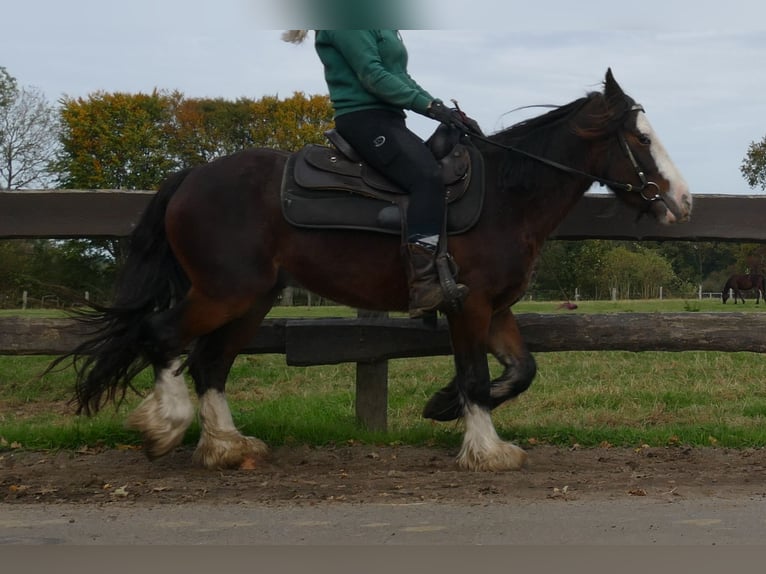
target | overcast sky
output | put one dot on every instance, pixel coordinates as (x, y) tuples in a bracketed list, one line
[(699, 68)]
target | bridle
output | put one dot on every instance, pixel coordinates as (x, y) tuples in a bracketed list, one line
[(648, 190), (645, 184)]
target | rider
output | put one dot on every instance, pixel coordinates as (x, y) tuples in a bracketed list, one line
[(366, 74)]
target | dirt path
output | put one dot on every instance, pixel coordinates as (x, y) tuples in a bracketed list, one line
[(370, 474)]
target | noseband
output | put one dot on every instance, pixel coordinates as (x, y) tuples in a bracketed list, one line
[(648, 190)]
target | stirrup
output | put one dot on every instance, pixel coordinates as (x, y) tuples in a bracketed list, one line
[(454, 294)]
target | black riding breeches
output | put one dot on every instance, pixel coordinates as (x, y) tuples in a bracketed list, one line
[(383, 140)]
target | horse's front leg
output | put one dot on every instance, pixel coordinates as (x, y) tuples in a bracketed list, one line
[(507, 345), (482, 448), (509, 348)]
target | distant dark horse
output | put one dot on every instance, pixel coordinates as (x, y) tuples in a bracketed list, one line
[(213, 251), (739, 283)]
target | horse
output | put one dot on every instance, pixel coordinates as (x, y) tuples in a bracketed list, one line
[(738, 283), (212, 252)]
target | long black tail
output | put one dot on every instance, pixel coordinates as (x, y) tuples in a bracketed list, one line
[(151, 280)]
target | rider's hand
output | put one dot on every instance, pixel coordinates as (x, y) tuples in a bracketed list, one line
[(453, 117)]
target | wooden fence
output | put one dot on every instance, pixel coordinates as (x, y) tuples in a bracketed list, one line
[(370, 341)]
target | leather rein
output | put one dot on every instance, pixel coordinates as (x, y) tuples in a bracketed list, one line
[(649, 190)]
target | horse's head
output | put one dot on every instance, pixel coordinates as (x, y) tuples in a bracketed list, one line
[(639, 170)]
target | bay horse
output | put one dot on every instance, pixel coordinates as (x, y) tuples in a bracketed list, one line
[(738, 283), (212, 252)]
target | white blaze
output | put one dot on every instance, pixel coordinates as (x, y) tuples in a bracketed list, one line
[(678, 195)]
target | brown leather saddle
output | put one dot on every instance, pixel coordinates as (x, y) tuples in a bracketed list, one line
[(331, 188)]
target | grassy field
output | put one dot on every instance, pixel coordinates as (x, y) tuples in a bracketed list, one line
[(586, 398)]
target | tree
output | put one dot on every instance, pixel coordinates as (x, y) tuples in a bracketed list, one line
[(28, 135), (753, 166), (205, 129), (128, 141), (637, 271), (14, 263), (694, 261), (291, 123), (8, 88), (116, 141), (567, 266)]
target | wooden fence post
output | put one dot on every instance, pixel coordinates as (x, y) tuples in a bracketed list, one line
[(372, 387)]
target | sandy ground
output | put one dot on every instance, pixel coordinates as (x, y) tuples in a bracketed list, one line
[(370, 474)]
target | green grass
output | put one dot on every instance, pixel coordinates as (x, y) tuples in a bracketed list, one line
[(45, 313), (585, 398), (621, 306), (642, 306)]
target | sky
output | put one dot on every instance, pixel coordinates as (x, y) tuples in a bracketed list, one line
[(698, 68)]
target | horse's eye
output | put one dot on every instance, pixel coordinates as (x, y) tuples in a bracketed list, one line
[(644, 139)]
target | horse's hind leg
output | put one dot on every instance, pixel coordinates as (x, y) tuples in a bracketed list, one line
[(165, 414), (221, 445)]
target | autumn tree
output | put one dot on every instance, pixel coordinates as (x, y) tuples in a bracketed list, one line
[(115, 141), (291, 123), (127, 141), (205, 129)]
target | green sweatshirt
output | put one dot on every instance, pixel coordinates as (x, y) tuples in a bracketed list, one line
[(367, 69)]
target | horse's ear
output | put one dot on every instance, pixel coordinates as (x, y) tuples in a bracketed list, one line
[(611, 87)]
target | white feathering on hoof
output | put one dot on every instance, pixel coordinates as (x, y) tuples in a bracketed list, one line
[(483, 449), (164, 415), (221, 445)]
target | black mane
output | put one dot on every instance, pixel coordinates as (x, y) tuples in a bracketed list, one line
[(544, 122), (551, 136)]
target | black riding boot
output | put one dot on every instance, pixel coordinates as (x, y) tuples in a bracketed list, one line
[(426, 292)]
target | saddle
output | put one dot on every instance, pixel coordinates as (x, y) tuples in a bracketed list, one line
[(330, 187)]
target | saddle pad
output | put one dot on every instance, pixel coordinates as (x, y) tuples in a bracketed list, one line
[(339, 201)]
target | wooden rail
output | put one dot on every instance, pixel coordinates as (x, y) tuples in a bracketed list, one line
[(114, 213), (370, 341), (331, 341)]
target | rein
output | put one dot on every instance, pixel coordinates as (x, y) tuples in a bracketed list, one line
[(645, 184)]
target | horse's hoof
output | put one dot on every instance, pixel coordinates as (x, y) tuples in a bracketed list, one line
[(501, 456), (162, 428), (234, 451), (443, 406)]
